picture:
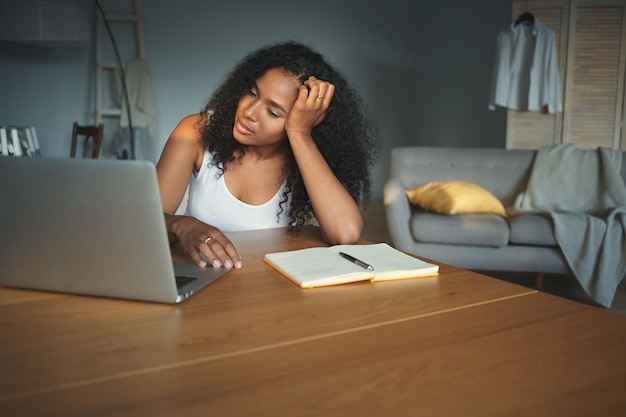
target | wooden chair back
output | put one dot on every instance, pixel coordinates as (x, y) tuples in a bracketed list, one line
[(88, 133)]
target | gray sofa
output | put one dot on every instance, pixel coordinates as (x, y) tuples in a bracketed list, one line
[(485, 242)]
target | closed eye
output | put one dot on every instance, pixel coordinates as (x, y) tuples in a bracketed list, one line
[(273, 113)]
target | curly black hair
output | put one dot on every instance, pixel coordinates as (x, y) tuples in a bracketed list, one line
[(347, 138)]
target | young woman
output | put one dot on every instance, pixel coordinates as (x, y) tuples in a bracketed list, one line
[(282, 140)]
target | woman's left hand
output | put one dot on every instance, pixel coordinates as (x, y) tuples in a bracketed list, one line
[(334, 208), (310, 107)]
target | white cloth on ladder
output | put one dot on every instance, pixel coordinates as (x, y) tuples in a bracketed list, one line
[(140, 96), (142, 145)]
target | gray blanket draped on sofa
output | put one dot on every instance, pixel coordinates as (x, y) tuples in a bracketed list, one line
[(583, 193)]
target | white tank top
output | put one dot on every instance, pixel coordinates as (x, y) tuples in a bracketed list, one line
[(210, 201)]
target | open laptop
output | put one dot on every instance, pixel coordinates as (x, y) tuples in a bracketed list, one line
[(91, 227)]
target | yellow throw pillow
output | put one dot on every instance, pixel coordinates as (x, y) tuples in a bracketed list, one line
[(455, 197)]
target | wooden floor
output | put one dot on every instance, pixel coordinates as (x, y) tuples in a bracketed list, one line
[(375, 230)]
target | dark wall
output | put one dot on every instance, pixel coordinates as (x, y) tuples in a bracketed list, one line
[(423, 70)]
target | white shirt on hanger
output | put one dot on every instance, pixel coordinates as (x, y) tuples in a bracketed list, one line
[(526, 74)]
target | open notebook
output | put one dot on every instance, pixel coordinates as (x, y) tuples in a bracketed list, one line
[(341, 264), (91, 227)]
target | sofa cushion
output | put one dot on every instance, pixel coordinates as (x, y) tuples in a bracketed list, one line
[(532, 229), (455, 197), (466, 229)]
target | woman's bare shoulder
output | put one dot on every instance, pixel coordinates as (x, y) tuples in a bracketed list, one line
[(189, 128)]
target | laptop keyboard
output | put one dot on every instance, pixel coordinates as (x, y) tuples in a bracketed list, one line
[(182, 280)]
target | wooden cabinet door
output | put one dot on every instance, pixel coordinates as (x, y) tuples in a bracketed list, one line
[(590, 38), (594, 92)]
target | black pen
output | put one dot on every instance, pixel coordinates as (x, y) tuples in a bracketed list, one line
[(357, 261)]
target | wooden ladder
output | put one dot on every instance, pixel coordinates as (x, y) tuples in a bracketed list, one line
[(102, 65)]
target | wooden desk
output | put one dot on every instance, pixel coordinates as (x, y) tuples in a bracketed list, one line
[(253, 343)]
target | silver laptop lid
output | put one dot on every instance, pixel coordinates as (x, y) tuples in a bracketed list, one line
[(86, 226)]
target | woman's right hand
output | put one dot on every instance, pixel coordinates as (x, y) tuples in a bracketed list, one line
[(201, 241)]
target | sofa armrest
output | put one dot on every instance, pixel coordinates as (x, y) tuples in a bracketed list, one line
[(398, 211)]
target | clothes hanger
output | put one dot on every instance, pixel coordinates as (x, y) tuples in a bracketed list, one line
[(526, 18)]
